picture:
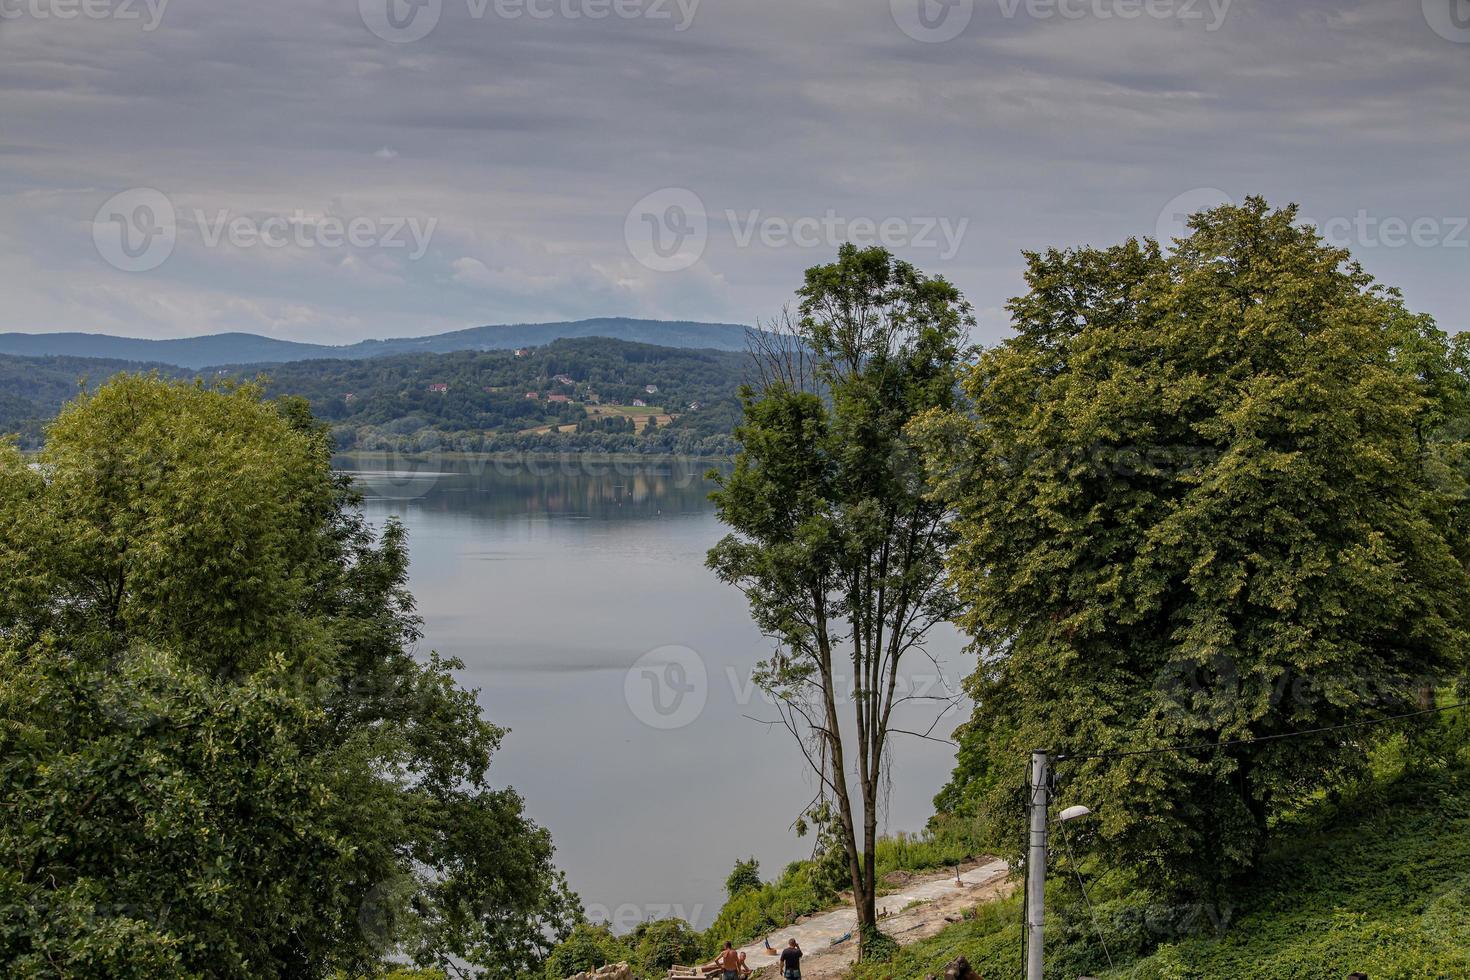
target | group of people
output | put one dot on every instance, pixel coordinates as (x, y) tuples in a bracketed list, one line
[(732, 962)]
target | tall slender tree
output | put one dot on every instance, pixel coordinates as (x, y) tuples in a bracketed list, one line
[(836, 546)]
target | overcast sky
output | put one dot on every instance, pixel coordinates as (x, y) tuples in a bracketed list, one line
[(330, 170)]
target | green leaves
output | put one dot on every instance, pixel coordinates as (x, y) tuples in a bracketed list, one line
[(166, 807), (1196, 505), (835, 544), (220, 756), (745, 876)]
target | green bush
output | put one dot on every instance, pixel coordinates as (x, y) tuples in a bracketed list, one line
[(942, 846), (586, 948), (747, 875), (1374, 878), (757, 911), (661, 944)]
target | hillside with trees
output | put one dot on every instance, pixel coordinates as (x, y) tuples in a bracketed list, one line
[(33, 389), (588, 394)]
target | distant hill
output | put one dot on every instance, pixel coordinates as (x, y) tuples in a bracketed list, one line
[(33, 389), (575, 394), (245, 348)]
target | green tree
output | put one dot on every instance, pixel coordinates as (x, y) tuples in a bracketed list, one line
[(1205, 497), (658, 945), (243, 770), (585, 948), (745, 876), (835, 546), (162, 823)]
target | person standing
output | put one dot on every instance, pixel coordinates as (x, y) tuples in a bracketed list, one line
[(791, 961), (729, 961)]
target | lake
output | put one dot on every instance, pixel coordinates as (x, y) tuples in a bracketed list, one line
[(576, 594)]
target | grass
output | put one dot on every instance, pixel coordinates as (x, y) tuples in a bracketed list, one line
[(799, 891), (1379, 883), (943, 847)]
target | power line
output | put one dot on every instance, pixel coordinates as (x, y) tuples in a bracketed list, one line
[(1203, 746), (1077, 870)]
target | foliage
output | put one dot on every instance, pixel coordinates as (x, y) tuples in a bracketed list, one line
[(834, 544), (33, 389), (1374, 882), (1205, 497), (661, 944), (830, 870), (756, 912), (747, 875), (875, 945), (240, 768), (586, 947), (391, 401), (944, 846), (164, 823)]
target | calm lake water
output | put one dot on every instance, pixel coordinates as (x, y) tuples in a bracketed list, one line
[(576, 595)]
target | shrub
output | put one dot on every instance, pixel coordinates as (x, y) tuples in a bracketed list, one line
[(586, 948), (659, 945), (747, 875)]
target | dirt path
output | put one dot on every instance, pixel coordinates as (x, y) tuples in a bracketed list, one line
[(916, 910)]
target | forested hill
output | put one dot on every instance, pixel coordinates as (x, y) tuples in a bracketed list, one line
[(592, 394), (33, 389), (243, 348)]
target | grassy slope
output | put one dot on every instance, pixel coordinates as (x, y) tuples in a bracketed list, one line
[(1379, 883), (777, 903)]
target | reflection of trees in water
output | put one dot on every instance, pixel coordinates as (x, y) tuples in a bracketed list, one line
[(602, 490)]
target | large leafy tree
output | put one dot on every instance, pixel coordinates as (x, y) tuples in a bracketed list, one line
[(835, 545), (1206, 497), (220, 756)]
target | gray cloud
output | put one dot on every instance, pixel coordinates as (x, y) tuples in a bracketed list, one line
[(528, 140)]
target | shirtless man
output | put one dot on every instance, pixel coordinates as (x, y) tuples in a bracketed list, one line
[(729, 961)]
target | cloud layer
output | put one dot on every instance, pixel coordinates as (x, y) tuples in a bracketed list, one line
[(761, 131)]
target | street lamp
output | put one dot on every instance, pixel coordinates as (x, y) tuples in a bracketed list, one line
[(1040, 799)]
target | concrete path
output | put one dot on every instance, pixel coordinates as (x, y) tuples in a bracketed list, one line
[(933, 897)]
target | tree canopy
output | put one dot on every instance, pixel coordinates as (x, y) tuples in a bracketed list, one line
[(1208, 496), (221, 756)]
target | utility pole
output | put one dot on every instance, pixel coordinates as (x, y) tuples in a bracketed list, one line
[(1039, 799)]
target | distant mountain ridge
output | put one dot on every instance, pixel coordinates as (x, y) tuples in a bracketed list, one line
[(245, 348)]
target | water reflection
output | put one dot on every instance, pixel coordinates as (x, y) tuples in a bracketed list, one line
[(552, 580), (515, 487)]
